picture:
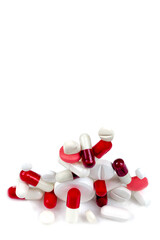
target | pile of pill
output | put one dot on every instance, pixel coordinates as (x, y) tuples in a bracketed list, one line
[(86, 176)]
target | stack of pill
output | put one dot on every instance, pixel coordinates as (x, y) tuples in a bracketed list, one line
[(86, 176)]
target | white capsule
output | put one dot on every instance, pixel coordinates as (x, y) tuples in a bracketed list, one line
[(126, 179), (71, 147), (142, 197), (47, 217), (120, 194), (34, 194), (115, 213), (103, 170), (26, 167), (85, 186), (49, 177), (72, 215), (139, 173), (64, 176), (91, 218), (77, 168), (85, 141), (21, 189), (106, 135), (45, 186)]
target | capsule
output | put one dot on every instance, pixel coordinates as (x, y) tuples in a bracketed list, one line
[(50, 199), (87, 154), (72, 205), (35, 180), (65, 175), (101, 148), (32, 194), (101, 193), (121, 169)]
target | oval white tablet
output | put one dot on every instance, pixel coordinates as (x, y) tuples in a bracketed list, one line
[(139, 173), (49, 176), (71, 147), (142, 197), (85, 186), (91, 218), (47, 217), (120, 194), (115, 213)]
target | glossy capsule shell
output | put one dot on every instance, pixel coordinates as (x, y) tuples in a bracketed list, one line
[(35, 180), (101, 201), (87, 154), (101, 148), (72, 205), (100, 188), (120, 167), (50, 199)]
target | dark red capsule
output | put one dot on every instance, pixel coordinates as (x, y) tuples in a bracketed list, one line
[(101, 201), (120, 167), (101, 148), (88, 158)]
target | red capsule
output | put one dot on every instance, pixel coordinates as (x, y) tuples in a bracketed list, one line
[(120, 167), (12, 193), (30, 177), (73, 198), (50, 199), (101, 148), (100, 188), (101, 201), (88, 158)]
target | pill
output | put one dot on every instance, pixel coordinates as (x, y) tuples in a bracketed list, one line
[(90, 216), (101, 148), (137, 184), (113, 183), (120, 194), (139, 173), (47, 217), (50, 177), (103, 170), (100, 188), (142, 197), (120, 167), (72, 205), (69, 158), (106, 134), (71, 147), (88, 158), (85, 186), (65, 175), (26, 166), (50, 199), (101, 201), (115, 213), (35, 180), (77, 168), (21, 189), (32, 194)]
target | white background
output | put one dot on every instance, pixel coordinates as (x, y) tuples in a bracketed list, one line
[(68, 67)]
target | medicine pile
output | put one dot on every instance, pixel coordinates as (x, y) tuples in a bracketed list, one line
[(86, 176)]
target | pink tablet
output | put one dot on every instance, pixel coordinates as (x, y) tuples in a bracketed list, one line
[(69, 158), (137, 184)]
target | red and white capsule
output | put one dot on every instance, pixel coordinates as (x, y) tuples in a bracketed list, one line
[(87, 154), (50, 200), (32, 194), (35, 180), (101, 193), (72, 205), (121, 169)]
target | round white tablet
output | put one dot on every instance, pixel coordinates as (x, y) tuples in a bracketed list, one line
[(103, 170), (26, 166), (120, 194), (49, 176), (47, 217), (85, 186)]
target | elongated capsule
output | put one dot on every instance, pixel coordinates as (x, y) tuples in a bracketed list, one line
[(21, 189), (120, 167), (32, 194), (35, 180), (101, 148), (73, 203), (101, 193), (50, 199), (65, 175), (87, 154)]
